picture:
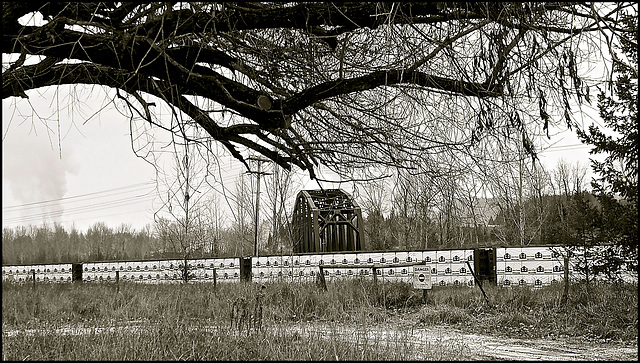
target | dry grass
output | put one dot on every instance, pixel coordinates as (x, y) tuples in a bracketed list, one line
[(247, 321)]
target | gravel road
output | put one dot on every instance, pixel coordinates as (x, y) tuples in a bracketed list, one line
[(480, 347)]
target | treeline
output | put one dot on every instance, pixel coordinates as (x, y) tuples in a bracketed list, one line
[(54, 244), (578, 219), (549, 208)]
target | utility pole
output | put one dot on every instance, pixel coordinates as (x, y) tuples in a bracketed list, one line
[(521, 212), (255, 236), (521, 216), (276, 189)]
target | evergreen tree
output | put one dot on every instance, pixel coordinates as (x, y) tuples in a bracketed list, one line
[(617, 184)]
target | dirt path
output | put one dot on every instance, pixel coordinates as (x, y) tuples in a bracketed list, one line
[(480, 347), (425, 341)]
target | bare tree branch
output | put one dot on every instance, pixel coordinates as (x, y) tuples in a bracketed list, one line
[(405, 82)]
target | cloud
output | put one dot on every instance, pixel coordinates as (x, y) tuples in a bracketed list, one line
[(36, 171)]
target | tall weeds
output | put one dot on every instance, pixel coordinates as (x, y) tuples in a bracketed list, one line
[(250, 321)]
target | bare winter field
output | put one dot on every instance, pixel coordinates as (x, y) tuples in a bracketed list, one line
[(353, 320)]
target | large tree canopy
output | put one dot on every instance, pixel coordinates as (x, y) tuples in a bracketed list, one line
[(346, 85)]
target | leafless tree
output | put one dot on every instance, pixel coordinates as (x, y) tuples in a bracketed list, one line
[(99, 241), (517, 185), (281, 188), (539, 207), (243, 210), (215, 222), (122, 236), (372, 196), (373, 199), (448, 214), (414, 197), (347, 85), (475, 212), (182, 222), (568, 179)]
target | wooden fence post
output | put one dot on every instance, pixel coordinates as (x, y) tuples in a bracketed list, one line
[(215, 278), (565, 294), (117, 281), (374, 270), (33, 276), (477, 282), (323, 283), (375, 276)]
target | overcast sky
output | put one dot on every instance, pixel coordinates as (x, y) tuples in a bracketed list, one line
[(90, 174)]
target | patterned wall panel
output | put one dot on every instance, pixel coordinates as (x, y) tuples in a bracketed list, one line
[(400, 274), (47, 273), (314, 260), (416, 257), (444, 256), (212, 267), (373, 257), (14, 273), (54, 270), (468, 256), (299, 272), (528, 265), (430, 256), (173, 273), (346, 259), (88, 271), (286, 261), (26, 272), (164, 266), (40, 272), (163, 270), (231, 270), (7, 274), (369, 257), (364, 257), (259, 267), (334, 259), (387, 258), (198, 271), (458, 266), (64, 272)]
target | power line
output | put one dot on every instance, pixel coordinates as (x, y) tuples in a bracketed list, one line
[(565, 148), (39, 204), (105, 215), (100, 216), (94, 205), (73, 205), (80, 209)]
